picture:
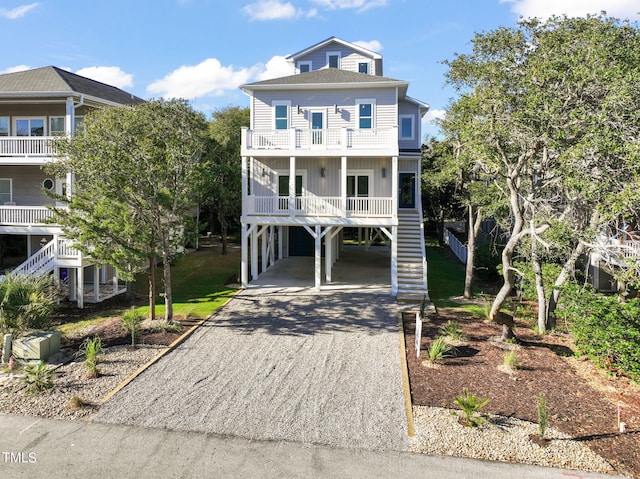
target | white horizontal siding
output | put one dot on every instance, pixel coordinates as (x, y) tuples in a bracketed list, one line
[(349, 58)]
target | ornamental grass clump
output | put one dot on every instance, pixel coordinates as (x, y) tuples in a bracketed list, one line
[(91, 349), (452, 332), (543, 415), (439, 349), (131, 322), (471, 404), (510, 360)]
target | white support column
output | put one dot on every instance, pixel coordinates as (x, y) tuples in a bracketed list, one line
[(29, 252), (280, 239), (69, 118), (328, 262), (244, 258), (292, 186), (80, 286), (96, 283), (272, 245), (343, 185), (114, 280), (394, 261), (71, 280), (318, 258), (254, 253), (263, 244), (394, 186)]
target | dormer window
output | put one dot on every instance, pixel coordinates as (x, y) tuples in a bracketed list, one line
[(363, 67), (304, 67), (281, 115), (333, 59)]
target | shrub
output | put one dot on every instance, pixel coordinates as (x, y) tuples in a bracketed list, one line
[(26, 302), (605, 329), (471, 404), (38, 378), (487, 261), (439, 349), (91, 349), (131, 322)]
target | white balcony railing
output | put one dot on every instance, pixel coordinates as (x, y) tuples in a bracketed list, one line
[(24, 215), (320, 206), (26, 146), (332, 138)]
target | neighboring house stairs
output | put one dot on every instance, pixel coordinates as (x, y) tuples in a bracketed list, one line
[(412, 266)]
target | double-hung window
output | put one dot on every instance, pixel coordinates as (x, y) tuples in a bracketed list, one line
[(333, 59), (363, 67), (366, 112), (5, 191), (281, 115), (407, 129), (56, 125), (4, 126)]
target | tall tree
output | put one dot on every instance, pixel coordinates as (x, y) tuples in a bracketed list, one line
[(223, 189), (138, 172)]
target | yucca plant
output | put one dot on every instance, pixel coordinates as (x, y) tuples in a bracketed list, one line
[(38, 378), (91, 349), (439, 349), (452, 331), (131, 322), (470, 404)]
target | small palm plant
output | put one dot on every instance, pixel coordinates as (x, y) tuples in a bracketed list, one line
[(131, 322), (38, 378), (470, 404), (91, 349)]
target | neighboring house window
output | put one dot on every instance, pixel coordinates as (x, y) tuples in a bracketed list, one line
[(333, 59), (406, 127), (78, 123), (5, 191), (56, 125), (363, 67), (4, 126), (281, 114), (29, 126), (365, 113), (304, 67)]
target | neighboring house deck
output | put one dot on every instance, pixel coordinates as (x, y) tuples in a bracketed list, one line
[(333, 146), (37, 106)]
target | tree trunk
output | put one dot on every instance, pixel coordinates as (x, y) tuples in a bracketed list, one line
[(539, 281), (168, 302), (567, 268), (475, 220), (152, 288), (223, 231)]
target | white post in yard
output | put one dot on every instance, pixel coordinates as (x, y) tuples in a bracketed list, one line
[(244, 259), (318, 257)]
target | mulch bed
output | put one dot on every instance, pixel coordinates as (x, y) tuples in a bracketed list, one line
[(582, 401)]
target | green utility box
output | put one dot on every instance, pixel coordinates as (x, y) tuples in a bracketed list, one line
[(37, 346)]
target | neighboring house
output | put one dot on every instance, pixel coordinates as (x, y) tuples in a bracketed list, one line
[(35, 106), (335, 145)]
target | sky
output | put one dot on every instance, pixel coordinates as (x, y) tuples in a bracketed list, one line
[(203, 50)]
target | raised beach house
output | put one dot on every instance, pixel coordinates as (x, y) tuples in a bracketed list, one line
[(334, 146), (35, 106)]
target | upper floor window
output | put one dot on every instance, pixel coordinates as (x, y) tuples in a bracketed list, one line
[(363, 67), (366, 110), (304, 67), (4, 126), (333, 59), (407, 130), (29, 126), (56, 125), (5, 191), (281, 114)]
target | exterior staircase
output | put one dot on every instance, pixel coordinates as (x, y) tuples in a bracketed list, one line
[(412, 263), (57, 252)]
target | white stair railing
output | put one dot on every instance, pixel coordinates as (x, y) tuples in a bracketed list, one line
[(40, 262)]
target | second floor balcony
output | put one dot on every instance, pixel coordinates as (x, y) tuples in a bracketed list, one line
[(309, 142), (27, 149), (15, 215)]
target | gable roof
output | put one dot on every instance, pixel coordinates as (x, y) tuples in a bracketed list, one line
[(53, 81), (327, 78), (328, 41)]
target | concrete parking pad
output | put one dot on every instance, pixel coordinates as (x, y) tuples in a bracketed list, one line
[(278, 364)]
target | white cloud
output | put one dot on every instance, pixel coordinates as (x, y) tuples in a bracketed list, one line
[(17, 12), (360, 5), (574, 8), (275, 68), (209, 77), (17, 68), (373, 45), (271, 10), (433, 115), (113, 76)]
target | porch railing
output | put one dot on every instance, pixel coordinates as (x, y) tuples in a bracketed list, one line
[(24, 215), (320, 206), (331, 138), (25, 146)]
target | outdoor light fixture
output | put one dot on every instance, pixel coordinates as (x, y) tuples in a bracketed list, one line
[(264, 171), (298, 106), (336, 109), (43, 242), (323, 172)]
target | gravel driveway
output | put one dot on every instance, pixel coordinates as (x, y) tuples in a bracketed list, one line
[(281, 365)]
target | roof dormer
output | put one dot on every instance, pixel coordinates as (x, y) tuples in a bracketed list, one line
[(336, 53)]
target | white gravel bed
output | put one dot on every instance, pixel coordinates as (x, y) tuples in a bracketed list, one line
[(499, 439), (115, 364)]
